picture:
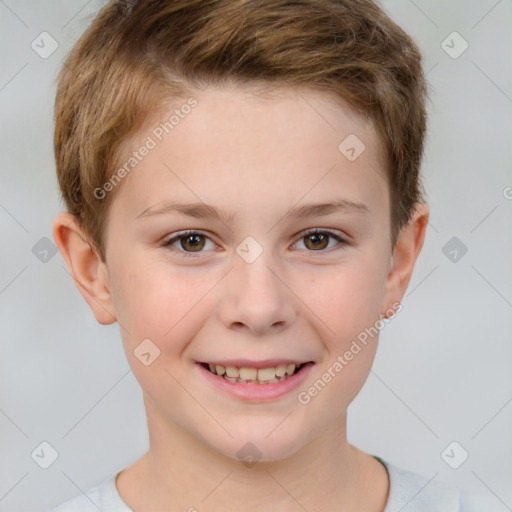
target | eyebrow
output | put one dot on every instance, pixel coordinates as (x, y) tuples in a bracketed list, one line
[(203, 210)]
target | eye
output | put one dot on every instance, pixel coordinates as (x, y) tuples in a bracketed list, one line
[(190, 242), (318, 239)]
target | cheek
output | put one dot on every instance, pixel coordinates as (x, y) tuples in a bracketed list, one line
[(156, 301), (348, 308), (347, 299), (165, 306)]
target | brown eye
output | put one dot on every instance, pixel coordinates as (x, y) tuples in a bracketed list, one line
[(318, 241), (192, 243), (188, 243)]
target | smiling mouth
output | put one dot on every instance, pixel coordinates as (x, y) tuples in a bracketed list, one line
[(251, 375)]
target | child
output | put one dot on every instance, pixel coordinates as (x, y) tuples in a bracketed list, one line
[(243, 197)]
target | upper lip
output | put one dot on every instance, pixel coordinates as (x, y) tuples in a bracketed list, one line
[(267, 363)]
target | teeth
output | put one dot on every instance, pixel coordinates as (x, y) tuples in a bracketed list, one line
[(261, 375), (290, 369), (281, 370), (249, 374), (232, 371), (266, 373), (242, 381)]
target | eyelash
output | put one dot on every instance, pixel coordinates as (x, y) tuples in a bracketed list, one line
[(189, 254)]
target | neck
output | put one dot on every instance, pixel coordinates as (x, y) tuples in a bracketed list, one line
[(182, 472)]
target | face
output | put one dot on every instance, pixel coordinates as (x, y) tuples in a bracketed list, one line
[(268, 281)]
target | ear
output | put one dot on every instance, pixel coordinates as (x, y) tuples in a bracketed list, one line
[(88, 271), (405, 253)]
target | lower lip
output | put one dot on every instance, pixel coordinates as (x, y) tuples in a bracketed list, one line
[(257, 392)]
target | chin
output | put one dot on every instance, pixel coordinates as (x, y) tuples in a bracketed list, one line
[(262, 447)]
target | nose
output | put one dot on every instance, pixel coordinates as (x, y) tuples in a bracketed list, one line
[(256, 298)]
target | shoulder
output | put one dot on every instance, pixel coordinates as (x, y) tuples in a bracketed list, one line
[(413, 492), (103, 496)]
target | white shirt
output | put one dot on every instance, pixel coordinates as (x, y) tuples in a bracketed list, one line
[(408, 492)]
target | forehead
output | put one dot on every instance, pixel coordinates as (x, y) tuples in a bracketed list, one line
[(256, 118), (265, 146)]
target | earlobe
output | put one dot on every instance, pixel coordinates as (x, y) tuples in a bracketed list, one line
[(88, 271), (406, 251)]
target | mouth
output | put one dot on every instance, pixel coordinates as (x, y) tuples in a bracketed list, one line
[(255, 373)]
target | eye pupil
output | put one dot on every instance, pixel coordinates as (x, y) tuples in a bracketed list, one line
[(318, 239), (196, 243)]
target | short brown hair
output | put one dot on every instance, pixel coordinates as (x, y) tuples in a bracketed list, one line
[(136, 55)]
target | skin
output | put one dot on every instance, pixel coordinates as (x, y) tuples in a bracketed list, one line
[(257, 157)]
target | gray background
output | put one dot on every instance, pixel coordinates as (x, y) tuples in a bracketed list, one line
[(443, 369)]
